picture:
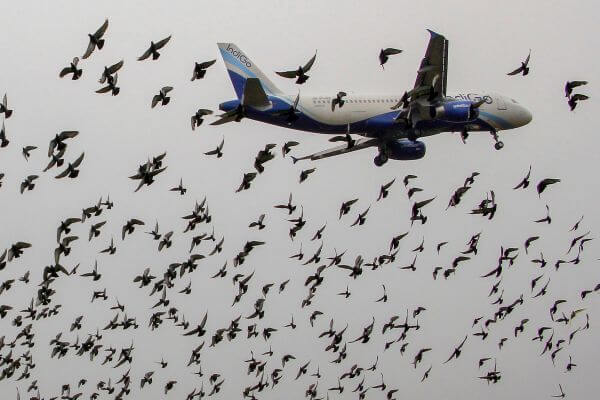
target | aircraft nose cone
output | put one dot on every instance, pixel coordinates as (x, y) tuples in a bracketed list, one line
[(524, 117)]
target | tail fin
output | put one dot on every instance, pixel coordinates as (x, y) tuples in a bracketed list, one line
[(240, 68)]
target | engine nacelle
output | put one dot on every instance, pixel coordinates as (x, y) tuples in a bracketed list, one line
[(405, 149), (454, 111)]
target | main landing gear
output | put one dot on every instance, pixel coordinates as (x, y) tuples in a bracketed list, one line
[(499, 144)]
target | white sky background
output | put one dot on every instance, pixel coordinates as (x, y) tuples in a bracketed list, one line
[(487, 39)]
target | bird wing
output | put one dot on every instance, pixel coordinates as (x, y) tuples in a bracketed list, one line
[(89, 50), (62, 174), (310, 63), (103, 89), (516, 71), (145, 55), (206, 64), (100, 32), (65, 71), (287, 74), (390, 51), (115, 67), (78, 161), (160, 44)]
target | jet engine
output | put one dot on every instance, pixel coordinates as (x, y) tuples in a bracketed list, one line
[(402, 149), (455, 111)]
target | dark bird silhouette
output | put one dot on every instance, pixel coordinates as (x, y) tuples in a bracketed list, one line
[(197, 118), (179, 188), (384, 190), (4, 108), (576, 98), (246, 181), (305, 173), (544, 183), (338, 100), (72, 69), (384, 55), (28, 184), (111, 86), (153, 49), (162, 96), (96, 40), (287, 147), (300, 73), (27, 151), (218, 151), (71, 171), (108, 72), (3, 140), (570, 85), (524, 68), (345, 207), (200, 69), (525, 182)]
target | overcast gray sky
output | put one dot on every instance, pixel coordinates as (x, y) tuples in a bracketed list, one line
[(487, 39)]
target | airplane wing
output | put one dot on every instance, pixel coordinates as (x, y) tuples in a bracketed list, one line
[(433, 72), (335, 151)]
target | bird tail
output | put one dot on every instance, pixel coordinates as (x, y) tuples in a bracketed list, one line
[(100, 44), (240, 68)]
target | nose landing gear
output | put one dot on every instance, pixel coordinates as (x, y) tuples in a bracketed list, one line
[(499, 144)]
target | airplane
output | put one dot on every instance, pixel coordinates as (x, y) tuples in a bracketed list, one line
[(392, 123)]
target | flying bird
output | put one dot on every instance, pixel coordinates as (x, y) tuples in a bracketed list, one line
[(153, 49), (338, 100), (162, 96), (385, 54), (200, 69), (218, 151), (197, 118), (72, 69), (4, 108), (524, 68), (96, 40), (544, 183), (570, 85), (299, 73), (573, 100)]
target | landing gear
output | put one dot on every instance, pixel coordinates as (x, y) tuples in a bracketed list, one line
[(380, 159), (499, 144)]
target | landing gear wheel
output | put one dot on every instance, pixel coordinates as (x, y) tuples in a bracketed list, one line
[(380, 159), (499, 145)]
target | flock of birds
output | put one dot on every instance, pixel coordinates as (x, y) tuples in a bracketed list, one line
[(253, 299)]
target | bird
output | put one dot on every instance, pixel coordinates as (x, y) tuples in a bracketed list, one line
[(179, 188), (287, 147), (384, 55), (28, 184), (197, 118), (4, 108), (111, 86), (300, 73), (71, 171), (577, 97), (570, 85), (362, 217), (200, 69), (246, 181), (338, 100), (72, 69), (305, 173), (525, 182), (96, 40), (108, 72), (153, 49), (544, 183), (27, 151), (562, 394), (384, 190), (258, 223), (524, 68), (58, 142), (218, 151), (345, 207), (129, 227), (162, 96), (3, 140)]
